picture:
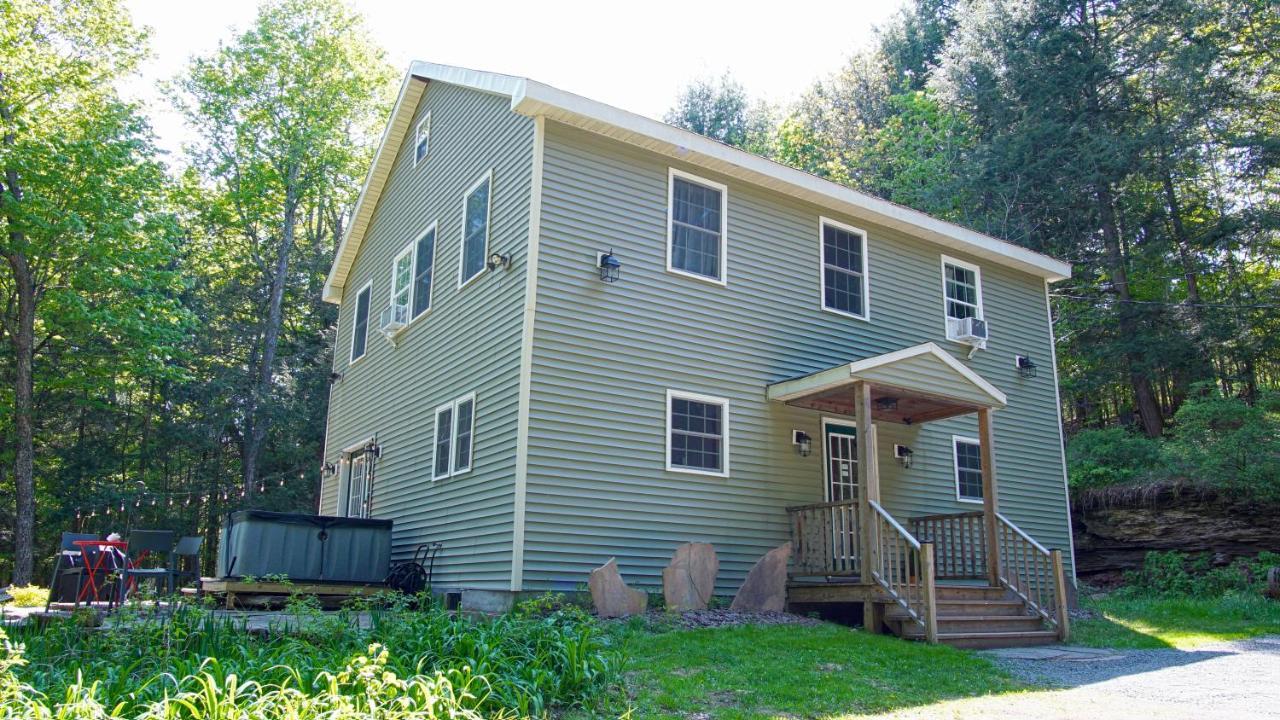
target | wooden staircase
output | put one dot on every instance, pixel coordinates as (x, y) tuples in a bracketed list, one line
[(975, 616)]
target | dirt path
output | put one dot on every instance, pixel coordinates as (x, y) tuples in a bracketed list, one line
[(1225, 680)]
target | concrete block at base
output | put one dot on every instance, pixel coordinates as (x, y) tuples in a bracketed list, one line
[(488, 601)]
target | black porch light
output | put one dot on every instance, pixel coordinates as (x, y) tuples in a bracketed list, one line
[(802, 441), (887, 403), (610, 266), (498, 260), (1026, 367)]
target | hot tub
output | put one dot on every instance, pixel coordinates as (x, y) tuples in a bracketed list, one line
[(315, 548)]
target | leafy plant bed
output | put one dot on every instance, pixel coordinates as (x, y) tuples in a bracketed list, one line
[(403, 663)]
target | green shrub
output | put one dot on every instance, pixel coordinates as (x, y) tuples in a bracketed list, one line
[(1110, 456), (29, 596), (1227, 443), (1174, 574)]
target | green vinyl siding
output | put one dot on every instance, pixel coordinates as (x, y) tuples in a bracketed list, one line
[(468, 341), (605, 355)]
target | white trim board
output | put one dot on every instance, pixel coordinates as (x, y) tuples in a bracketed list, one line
[(534, 99)]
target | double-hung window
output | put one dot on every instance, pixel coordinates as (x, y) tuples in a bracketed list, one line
[(844, 270), (962, 293), (697, 210), (475, 230), (424, 267), (697, 433), (968, 464), (360, 328), (402, 279), (455, 430), (422, 139)]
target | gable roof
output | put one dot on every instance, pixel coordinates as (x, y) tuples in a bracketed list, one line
[(532, 98)]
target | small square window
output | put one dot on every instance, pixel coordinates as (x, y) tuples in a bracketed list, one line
[(968, 463), (697, 437)]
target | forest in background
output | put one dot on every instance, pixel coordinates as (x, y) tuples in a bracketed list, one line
[(167, 356)]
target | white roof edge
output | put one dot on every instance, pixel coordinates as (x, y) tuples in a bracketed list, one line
[(533, 98), (544, 99)]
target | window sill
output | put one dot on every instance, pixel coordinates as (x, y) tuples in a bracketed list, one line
[(696, 276), (842, 313), (695, 471)]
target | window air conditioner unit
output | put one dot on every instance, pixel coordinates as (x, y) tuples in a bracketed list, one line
[(393, 319), (971, 330)]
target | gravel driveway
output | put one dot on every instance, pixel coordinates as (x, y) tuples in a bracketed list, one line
[(1222, 680)]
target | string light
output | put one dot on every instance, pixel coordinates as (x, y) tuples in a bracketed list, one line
[(168, 499)]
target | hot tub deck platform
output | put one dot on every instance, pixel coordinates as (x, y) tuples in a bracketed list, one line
[(243, 594)]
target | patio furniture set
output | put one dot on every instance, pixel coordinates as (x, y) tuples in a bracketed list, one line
[(109, 569)]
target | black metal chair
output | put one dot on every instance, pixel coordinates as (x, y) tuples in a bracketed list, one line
[(148, 546), (67, 564), (186, 561)]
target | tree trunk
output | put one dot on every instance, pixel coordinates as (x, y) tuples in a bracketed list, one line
[(255, 427), (23, 339), (1143, 394)]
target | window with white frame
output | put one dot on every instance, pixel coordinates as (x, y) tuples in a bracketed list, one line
[(455, 431), (844, 269), (962, 283), (968, 464), (697, 433), (424, 268), (422, 139), (696, 212), (360, 328), (475, 230), (402, 278)]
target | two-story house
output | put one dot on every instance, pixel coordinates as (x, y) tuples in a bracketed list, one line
[(569, 333)]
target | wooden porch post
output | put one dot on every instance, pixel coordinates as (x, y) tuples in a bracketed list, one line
[(990, 492), (868, 476)]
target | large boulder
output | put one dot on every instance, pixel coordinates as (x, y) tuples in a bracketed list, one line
[(611, 596), (690, 579), (765, 589)]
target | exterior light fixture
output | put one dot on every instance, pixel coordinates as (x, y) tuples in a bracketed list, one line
[(328, 469), (610, 266), (802, 441), (887, 403), (1026, 367), (498, 260), (903, 454), (373, 449)]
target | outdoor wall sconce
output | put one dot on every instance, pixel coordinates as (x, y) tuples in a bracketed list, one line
[(610, 266), (498, 260), (802, 441), (328, 469), (373, 450), (887, 403), (903, 454), (1026, 367)]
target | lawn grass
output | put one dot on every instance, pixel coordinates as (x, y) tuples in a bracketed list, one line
[(756, 671), (1175, 622)]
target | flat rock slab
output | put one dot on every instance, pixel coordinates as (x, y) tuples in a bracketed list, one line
[(1062, 653), (765, 589), (611, 596), (690, 579)]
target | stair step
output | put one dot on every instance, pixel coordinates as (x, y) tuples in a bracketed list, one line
[(985, 640), (951, 608), (975, 624), (970, 592)]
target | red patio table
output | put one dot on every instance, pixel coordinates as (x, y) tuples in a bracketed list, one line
[(95, 563)]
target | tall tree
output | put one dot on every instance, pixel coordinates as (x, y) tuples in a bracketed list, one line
[(722, 110), (286, 115), (84, 230)]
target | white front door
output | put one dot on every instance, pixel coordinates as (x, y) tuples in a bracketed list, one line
[(358, 476)]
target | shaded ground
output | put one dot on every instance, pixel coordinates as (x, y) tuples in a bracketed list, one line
[(1239, 679)]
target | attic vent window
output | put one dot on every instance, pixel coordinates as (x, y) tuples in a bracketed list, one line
[(422, 139)]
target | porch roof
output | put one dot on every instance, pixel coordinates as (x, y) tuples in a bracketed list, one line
[(913, 385)]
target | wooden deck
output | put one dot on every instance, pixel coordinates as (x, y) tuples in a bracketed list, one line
[(239, 593)]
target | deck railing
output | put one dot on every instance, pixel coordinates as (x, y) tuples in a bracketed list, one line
[(903, 566), (959, 542), (826, 539), (1033, 573)]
